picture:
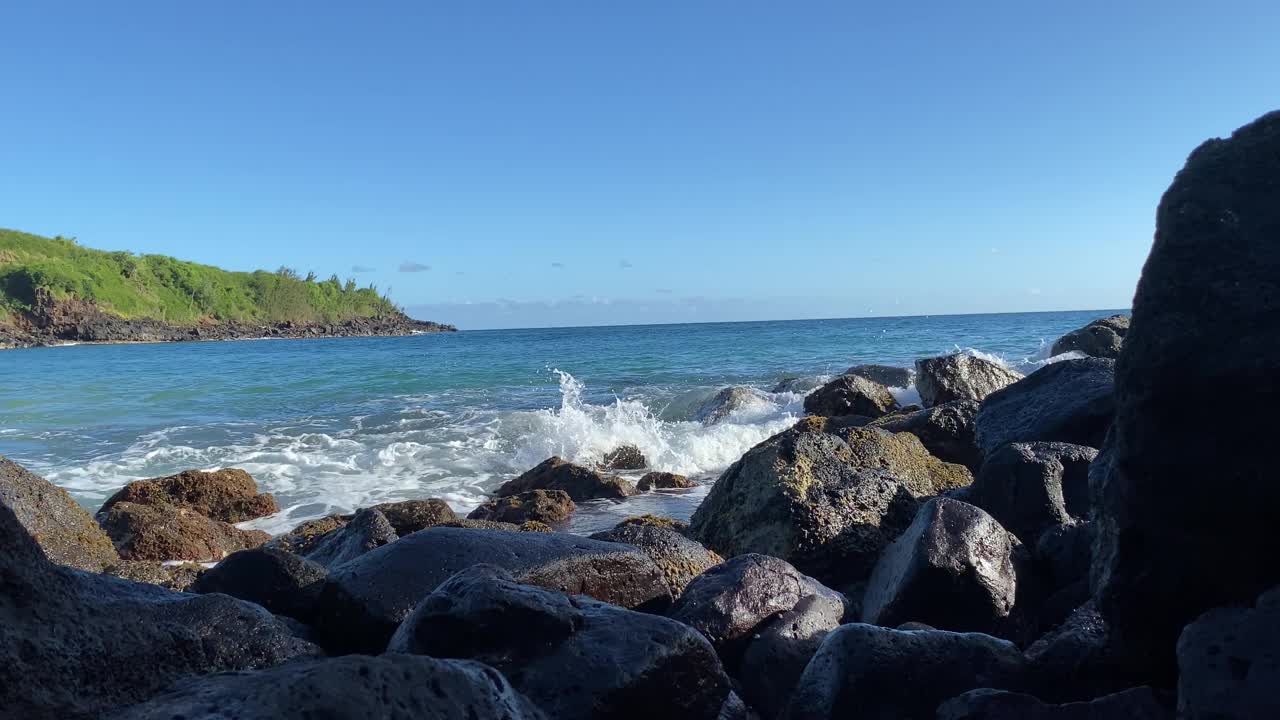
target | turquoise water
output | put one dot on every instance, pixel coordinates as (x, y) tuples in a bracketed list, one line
[(333, 424)]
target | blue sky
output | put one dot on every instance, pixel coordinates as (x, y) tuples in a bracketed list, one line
[(551, 163)]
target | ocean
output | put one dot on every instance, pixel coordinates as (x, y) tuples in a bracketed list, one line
[(330, 425)]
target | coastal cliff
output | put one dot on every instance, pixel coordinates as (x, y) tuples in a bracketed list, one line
[(55, 291)]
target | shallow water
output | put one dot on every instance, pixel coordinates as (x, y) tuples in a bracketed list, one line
[(334, 424)]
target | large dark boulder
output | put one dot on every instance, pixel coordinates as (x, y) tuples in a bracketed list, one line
[(363, 601), (391, 687), (575, 657), (279, 581), (367, 531), (1079, 660), (75, 645), (171, 576), (866, 671), (579, 482), (1026, 486), (410, 516), (664, 481), (960, 377), (850, 395), (887, 375), (1069, 401), (168, 532), (779, 651), (1142, 703), (827, 503), (1229, 663), (1101, 338), (552, 507), (1188, 511), (62, 529), (946, 431), (953, 568), (728, 602), (229, 495), (624, 457), (679, 558)]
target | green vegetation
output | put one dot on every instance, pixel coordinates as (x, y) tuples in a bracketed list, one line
[(161, 288)]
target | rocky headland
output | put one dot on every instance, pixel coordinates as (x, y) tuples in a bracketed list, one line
[(1076, 543)]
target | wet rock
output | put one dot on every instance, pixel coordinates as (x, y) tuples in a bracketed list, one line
[(363, 601), (154, 572), (1025, 486), (1143, 703), (410, 516), (391, 687), (728, 602), (1228, 663), (946, 431), (886, 375), (165, 532), (624, 457), (75, 645), (581, 483), (665, 481), (546, 506), (1078, 660), (850, 395), (826, 503), (887, 673), (679, 558), (1185, 508), (960, 377), (1101, 338), (798, 385), (1069, 401), (779, 651), (277, 580), (62, 529), (657, 521), (726, 402), (952, 568), (367, 531), (229, 495), (573, 656)]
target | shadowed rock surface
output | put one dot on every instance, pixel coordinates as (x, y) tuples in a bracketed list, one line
[(946, 431), (76, 645), (850, 395), (1229, 663), (229, 495), (277, 580), (575, 657), (1181, 506), (679, 558), (579, 482), (887, 673), (364, 601), (824, 502), (547, 506), (166, 532), (391, 687), (1143, 703), (62, 529), (960, 377), (887, 375), (1070, 401), (1025, 486), (728, 602), (779, 651)]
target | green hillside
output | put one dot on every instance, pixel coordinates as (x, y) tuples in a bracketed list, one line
[(159, 287)]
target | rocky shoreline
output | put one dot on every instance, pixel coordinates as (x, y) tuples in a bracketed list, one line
[(1074, 543), (53, 323)]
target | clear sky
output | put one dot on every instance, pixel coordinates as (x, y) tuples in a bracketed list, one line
[(499, 164)]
